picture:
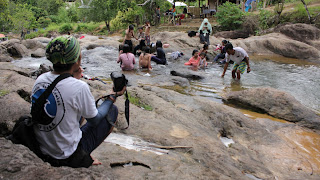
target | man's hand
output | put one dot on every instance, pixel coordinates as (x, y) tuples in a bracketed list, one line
[(119, 93), (248, 69), (222, 75)]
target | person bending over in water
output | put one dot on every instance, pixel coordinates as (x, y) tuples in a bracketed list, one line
[(126, 59), (240, 58), (194, 60), (145, 59), (161, 56)]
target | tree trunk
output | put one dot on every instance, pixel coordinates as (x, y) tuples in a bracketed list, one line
[(264, 4), (309, 16)]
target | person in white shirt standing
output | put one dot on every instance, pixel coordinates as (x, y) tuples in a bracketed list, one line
[(240, 58)]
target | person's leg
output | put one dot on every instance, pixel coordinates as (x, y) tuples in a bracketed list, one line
[(202, 39), (241, 68), (219, 56), (92, 136), (136, 48), (234, 70), (207, 38), (238, 74), (158, 60)]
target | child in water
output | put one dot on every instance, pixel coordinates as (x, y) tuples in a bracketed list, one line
[(145, 59), (203, 62)]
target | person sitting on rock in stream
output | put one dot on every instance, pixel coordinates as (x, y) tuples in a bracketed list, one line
[(240, 58), (141, 38), (126, 59), (194, 60), (64, 142), (145, 59), (205, 31), (161, 55), (222, 48)]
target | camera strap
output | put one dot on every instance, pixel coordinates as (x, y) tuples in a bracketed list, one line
[(126, 110)]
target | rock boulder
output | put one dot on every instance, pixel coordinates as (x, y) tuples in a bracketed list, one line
[(32, 44), (276, 103), (232, 34), (38, 53), (300, 32)]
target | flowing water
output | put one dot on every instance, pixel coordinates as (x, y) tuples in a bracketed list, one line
[(300, 78)]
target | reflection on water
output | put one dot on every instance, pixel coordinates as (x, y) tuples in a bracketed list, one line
[(255, 115)]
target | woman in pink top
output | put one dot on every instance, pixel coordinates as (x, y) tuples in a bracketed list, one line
[(126, 59), (194, 60)]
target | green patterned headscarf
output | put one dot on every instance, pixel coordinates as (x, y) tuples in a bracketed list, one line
[(63, 50)]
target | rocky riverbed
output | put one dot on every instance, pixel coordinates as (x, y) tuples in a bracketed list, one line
[(183, 136)]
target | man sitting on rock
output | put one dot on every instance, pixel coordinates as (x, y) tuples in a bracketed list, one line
[(240, 58), (63, 142)]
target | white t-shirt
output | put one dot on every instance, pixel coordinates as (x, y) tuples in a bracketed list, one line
[(238, 56), (70, 100)]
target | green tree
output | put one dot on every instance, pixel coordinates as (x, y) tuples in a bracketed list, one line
[(103, 11), (229, 16), (51, 6), (4, 11), (23, 18)]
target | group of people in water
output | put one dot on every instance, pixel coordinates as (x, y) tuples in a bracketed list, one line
[(127, 53), (228, 54)]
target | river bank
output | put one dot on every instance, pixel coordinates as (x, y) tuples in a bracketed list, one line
[(191, 129)]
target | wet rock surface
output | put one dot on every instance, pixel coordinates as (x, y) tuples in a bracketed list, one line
[(276, 103)]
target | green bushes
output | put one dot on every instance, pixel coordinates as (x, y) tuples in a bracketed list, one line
[(229, 16), (87, 27), (65, 28), (265, 19), (44, 22)]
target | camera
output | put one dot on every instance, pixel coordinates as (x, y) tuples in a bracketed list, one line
[(119, 81)]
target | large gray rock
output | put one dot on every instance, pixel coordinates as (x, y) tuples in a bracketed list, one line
[(232, 34), (18, 162), (15, 99), (32, 44), (38, 53), (16, 106), (276, 103), (291, 48), (42, 69), (18, 50), (300, 32), (186, 73), (5, 58)]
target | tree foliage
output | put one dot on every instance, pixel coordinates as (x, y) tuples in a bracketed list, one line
[(229, 16), (23, 18)]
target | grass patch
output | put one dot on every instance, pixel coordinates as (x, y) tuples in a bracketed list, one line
[(3, 92), (136, 101)]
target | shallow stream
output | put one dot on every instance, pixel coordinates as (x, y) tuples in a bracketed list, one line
[(300, 78)]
